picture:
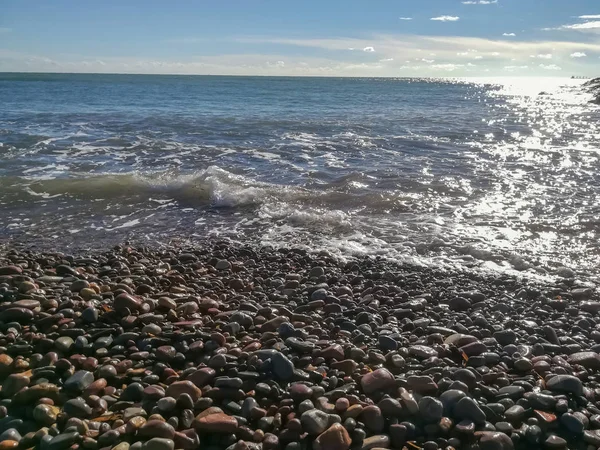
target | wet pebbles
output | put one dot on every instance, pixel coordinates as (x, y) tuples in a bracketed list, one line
[(228, 347)]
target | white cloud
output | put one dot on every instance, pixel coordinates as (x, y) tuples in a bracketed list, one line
[(509, 34), (368, 49), (550, 67), (480, 2), (542, 56), (406, 18), (448, 67), (386, 60), (446, 18), (513, 68), (593, 27), (428, 61), (578, 55), (590, 16)]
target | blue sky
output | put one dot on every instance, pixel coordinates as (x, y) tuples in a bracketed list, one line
[(322, 38)]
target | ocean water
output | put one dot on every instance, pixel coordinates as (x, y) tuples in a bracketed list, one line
[(478, 174)]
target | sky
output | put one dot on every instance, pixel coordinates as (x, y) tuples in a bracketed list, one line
[(388, 38)]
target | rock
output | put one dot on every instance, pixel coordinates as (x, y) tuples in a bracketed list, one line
[(459, 304), (45, 414), (14, 383), (373, 419), (422, 352), (156, 429), (283, 368), (467, 408), (79, 381), (158, 444), (566, 384), (216, 423), (515, 414), (314, 421), (63, 441), (336, 437), (77, 407), (431, 409), (589, 360), (333, 352), (592, 437), (378, 380), (554, 442), (572, 423), (178, 388), (450, 398), (10, 270), (505, 337), (495, 441), (379, 441), (63, 344)]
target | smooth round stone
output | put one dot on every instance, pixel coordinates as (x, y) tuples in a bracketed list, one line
[(450, 398), (378, 380), (373, 419), (10, 435), (431, 409), (63, 441), (572, 423), (8, 445), (505, 337), (166, 404), (495, 441), (554, 442), (223, 264), (45, 414), (156, 428), (152, 328), (14, 383), (467, 408), (314, 422), (566, 384), (90, 315), (63, 344), (523, 365), (77, 407), (158, 444), (79, 381), (121, 446)]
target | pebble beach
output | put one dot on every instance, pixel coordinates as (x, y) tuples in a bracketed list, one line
[(223, 346)]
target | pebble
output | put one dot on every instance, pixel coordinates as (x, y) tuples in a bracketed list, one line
[(225, 346), (158, 444), (314, 421)]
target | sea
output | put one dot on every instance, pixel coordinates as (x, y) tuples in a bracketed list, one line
[(490, 174)]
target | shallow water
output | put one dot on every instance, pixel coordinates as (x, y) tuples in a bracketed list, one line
[(481, 173)]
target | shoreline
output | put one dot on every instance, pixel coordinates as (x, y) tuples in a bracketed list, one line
[(226, 346)]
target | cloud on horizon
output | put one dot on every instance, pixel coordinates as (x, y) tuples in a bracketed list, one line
[(372, 55), (445, 18), (479, 2)]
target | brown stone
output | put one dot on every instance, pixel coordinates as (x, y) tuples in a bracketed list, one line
[(334, 351), (184, 387), (8, 445), (216, 423), (202, 376), (334, 438), (379, 380)]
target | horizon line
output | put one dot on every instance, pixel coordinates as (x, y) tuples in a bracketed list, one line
[(297, 76)]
